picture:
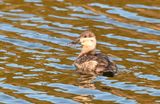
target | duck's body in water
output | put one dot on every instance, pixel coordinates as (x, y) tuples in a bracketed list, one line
[(91, 62)]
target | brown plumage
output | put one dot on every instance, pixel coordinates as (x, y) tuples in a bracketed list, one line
[(91, 62)]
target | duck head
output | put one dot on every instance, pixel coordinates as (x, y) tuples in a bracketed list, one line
[(88, 42)]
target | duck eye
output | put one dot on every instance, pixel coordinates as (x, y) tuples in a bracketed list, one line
[(85, 36)]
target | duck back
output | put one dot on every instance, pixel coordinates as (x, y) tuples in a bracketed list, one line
[(97, 63)]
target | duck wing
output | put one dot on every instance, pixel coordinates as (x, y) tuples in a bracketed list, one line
[(105, 66), (86, 64)]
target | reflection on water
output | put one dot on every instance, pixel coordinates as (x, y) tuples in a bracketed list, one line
[(86, 81), (36, 61)]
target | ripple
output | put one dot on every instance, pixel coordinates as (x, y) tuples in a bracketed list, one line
[(52, 99), (53, 60), (121, 49), (68, 33), (16, 14), (19, 66), (153, 51), (4, 58), (133, 39), (17, 10), (24, 43), (11, 53), (34, 1), (98, 95), (147, 76), (1, 68), (59, 9), (139, 61), (130, 87), (34, 35), (33, 51), (38, 70), (62, 25), (7, 99), (63, 17), (80, 9), (29, 24), (107, 20), (126, 14), (38, 94), (60, 66), (134, 45), (133, 16), (19, 89), (143, 6), (30, 75), (25, 17)]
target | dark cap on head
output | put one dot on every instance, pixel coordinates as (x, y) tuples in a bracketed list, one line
[(87, 34)]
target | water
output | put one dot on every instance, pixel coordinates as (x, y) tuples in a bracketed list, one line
[(36, 61)]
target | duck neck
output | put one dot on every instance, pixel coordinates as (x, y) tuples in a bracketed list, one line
[(88, 50)]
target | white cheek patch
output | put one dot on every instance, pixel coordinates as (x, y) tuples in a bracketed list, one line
[(88, 41)]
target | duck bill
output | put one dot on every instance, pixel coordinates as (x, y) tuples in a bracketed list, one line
[(77, 41)]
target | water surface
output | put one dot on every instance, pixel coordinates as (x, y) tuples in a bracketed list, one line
[(36, 61)]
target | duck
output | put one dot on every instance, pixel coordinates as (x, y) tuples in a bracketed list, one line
[(91, 62)]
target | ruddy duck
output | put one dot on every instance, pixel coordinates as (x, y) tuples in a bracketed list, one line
[(91, 62)]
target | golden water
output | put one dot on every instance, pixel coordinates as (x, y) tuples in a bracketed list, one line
[(36, 61)]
